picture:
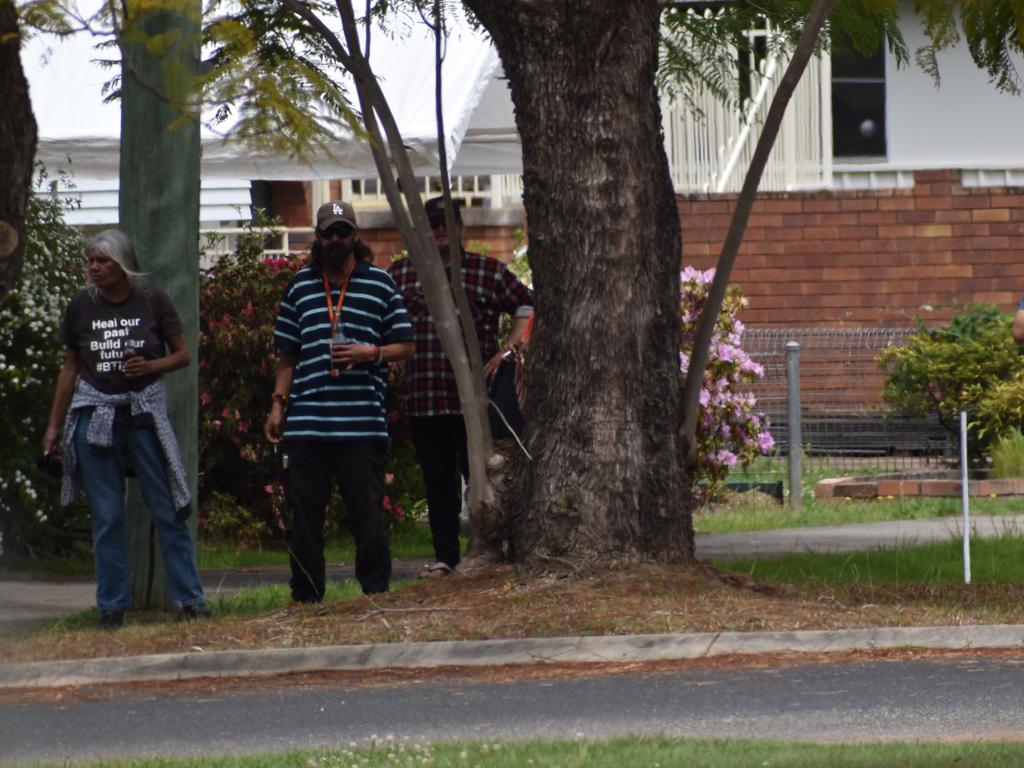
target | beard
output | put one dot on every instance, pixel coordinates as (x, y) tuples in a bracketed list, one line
[(336, 254)]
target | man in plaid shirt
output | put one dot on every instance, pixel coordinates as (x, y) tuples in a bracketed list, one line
[(430, 395)]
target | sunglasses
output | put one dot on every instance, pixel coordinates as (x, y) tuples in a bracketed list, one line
[(436, 222), (338, 230)]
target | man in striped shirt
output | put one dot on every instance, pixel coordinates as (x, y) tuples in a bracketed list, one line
[(431, 398), (341, 321)]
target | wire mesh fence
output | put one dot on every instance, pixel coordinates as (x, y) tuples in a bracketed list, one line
[(845, 425)]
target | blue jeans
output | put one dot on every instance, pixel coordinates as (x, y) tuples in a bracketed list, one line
[(103, 476)]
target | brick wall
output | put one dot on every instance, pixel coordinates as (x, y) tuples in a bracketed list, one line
[(868, 258), (291, 202)]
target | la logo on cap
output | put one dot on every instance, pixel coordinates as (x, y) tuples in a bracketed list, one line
[(337, 209)]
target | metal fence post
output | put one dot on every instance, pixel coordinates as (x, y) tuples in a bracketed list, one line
[(793, 417)]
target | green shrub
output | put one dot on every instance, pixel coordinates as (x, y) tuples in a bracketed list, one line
[(1001, 408), (238, 302), (1008, 454), (225, 520), (942, 371), (31, 519)]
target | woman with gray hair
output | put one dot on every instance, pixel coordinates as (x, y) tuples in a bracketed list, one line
[(109, 417)]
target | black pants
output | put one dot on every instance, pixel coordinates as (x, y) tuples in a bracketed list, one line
[(440, 443), (358, 468)]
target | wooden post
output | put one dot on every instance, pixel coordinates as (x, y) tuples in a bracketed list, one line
[(159, 211)]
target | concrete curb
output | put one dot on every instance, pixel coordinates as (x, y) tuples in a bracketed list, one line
[(432, 655)]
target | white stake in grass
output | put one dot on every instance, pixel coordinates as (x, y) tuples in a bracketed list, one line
[(964, 496)]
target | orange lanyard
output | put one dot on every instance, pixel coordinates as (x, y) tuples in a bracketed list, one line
[(332, 312)]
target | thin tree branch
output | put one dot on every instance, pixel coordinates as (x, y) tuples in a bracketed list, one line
[(423, 251), (455, 257), (367, 25), (390, 155), (306, 14)]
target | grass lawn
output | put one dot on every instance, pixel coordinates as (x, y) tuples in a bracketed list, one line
[(411, 543), (993, 562), (631, 752), (740, 512), (759, 512), (408, 543)]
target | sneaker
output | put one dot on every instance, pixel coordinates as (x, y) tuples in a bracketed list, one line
[(193, 612), (112, 619)]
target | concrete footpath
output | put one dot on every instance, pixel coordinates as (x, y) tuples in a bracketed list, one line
[(24, 604)]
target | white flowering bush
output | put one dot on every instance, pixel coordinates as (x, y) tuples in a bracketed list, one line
[(31, 520), (731, 431)]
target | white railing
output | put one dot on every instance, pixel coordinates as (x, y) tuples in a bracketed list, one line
[(474, 191), (508, 189), (215, 242), (710, 147)]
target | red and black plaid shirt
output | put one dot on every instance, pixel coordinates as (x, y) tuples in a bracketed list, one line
[(492, 289)]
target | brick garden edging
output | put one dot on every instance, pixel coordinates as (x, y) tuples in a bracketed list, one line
[(897, 485)]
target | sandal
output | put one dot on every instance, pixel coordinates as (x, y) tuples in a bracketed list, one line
[(436, 570)]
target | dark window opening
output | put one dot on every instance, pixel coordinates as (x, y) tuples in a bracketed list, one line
[(750, 54), (858, 103)]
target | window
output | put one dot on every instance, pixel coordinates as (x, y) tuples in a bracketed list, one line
[(858, 103)]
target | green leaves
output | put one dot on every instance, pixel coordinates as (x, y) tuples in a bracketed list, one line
[(956, 367), (993, 29), (238, 306), (711, 51), (277, 77), (30, 357)]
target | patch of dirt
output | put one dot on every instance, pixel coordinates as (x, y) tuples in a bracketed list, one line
[(501, 602)]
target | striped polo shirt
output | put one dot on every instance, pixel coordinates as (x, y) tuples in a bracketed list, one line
[(348, 407)]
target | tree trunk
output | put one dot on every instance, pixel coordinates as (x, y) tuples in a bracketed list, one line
[(608, 483), (17, 149), (159, 210)]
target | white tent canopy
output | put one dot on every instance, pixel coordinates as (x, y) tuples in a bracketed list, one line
[(78, 131)]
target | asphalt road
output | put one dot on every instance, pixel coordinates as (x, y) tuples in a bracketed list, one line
[(965, 698)]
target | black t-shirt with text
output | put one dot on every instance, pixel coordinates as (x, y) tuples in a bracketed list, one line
[(100, 332)]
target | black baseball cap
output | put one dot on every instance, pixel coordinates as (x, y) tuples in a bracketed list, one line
[(435, 209), (335, 211)]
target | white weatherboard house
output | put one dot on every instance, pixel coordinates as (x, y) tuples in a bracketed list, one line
[(862, 124)]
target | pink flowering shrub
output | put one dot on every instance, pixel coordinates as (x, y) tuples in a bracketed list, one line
[(239, 478), (731, 432)]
